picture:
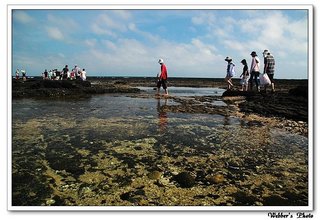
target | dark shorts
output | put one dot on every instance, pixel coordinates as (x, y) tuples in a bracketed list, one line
[(271, 77), (163, 83)]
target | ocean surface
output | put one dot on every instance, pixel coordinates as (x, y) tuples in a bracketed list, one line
[(101, 150)]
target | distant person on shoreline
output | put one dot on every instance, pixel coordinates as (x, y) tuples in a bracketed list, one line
[(83, 75), (72, 75), (269, 64), (50, 74), (57, 74), (65, 71), (254, 71), (76, 71), (162, 77), (24, 75), (17, 74), (230, 72), (45, 74), (244, 76)]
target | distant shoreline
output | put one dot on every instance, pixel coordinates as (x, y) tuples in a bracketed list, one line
[(133, 82), (152, 78)]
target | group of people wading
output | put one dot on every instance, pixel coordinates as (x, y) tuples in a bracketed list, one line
[(248, 76)]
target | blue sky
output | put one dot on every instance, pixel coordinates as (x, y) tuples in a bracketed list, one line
[(193, 43)]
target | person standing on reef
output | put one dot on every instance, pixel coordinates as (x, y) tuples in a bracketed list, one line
[(50, 74), (162, 77), (76, 70), (254, 70), (65, 71), (17, 74), (45, 74), (244, 76), (83, 75), (269, 64), (24, 77), (230, 72)]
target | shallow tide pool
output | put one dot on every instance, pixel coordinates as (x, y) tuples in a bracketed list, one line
[(112, 150)]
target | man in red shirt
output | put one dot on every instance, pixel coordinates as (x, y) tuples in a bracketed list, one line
[(163, 76)]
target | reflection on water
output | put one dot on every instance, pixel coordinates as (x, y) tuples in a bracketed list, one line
[(118, 150), (163, 117)]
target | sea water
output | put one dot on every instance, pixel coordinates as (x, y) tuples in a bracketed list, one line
[(101, 150)]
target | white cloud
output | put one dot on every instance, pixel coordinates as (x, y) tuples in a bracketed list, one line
[(112, 24), (123, 14), (102, 31), (90, 42), (106, 21), (221, 32), (22, 17), (198, 20), (132, 27), (110, 45), (298, 29), (63, 22), (204, 18), (234, 45), (54, 33), (272, 30), (153, 37), (129, 56)]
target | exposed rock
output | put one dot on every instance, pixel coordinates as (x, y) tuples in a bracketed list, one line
[(185, 179), (215, 179), (299, 91), (154, 175), (290, 104), (65, 88), (50, 202)]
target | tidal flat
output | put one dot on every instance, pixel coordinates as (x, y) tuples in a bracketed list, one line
[(145, 150)]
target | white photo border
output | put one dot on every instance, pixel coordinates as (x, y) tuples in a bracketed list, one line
[(310, 207)]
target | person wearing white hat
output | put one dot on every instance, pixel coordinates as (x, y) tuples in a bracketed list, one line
[(230, 72), (162, 77)]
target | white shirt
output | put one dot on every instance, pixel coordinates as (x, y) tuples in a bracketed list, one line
[(255, 64), (84, 75)]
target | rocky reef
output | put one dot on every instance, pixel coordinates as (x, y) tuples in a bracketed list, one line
[(241, 149), (291, 104), (65, 88)]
